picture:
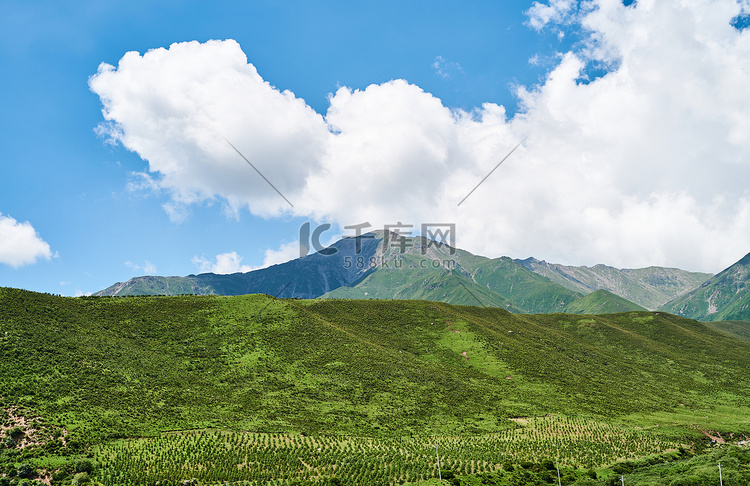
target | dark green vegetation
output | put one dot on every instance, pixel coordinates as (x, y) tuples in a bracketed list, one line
[(390, 267), (724, 297), (372, 383)]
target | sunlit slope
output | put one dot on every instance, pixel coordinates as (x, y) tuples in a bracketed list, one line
[(601, 302), (527, 290), (132, 366)]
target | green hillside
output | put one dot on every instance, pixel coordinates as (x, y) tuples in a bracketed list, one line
[(601, 302), (724, 297), (209, 361), (89, 371), (435, 285), (531, 292), (735, 329), (423, 270)]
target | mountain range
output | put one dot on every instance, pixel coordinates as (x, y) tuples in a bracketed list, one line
[(383, 265)]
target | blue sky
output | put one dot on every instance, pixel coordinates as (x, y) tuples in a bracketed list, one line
[(99, 207)]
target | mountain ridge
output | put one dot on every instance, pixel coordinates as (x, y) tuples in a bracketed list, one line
[(385, 265), (650, 287), (723, 297)]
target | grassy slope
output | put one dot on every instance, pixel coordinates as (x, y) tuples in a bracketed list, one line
[(601, 302), (416, 277), (119, 367), (527, 290), (735, 329)]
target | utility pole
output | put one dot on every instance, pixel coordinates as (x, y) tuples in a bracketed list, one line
[(440, 475), (721, 481), (557, 465), (622, 478)]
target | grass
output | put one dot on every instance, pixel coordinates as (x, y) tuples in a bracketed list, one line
[(735, 329)]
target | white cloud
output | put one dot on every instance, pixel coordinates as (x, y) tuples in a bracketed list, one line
[(176, 107), (557, 11), (20, 244), (287, 251), (147, 268), (231, 262), (225, 263), (646, 165)]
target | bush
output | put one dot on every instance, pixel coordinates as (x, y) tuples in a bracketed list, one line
[(622, 468), (84, 465), (80, 478), (585, 482), (24, 471), (686, 481), (60, 476)]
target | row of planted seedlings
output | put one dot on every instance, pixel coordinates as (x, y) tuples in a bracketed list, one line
[(221, 456)]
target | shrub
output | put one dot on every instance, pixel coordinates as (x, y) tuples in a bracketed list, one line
[(14, 432), (84, 466), (24, 471), (585, 482), (686, 481), (80, 478)]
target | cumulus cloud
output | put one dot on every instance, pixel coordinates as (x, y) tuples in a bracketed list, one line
[(225, 263), (556, 11), (178, 107), (20, 244), (287, 251), (231, 262), (644, 165)]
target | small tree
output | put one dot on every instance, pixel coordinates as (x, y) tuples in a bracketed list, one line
[(24, 471), (84, 466)]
